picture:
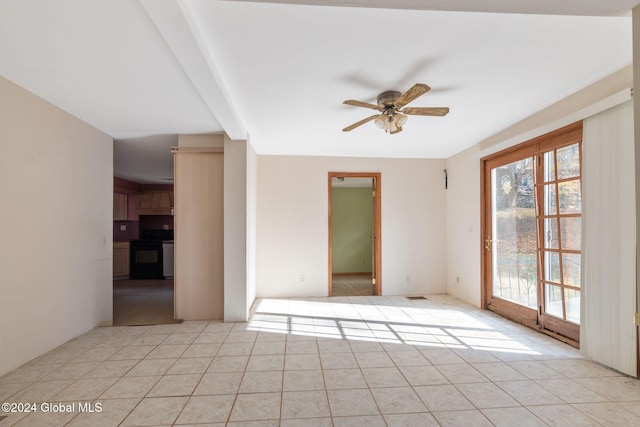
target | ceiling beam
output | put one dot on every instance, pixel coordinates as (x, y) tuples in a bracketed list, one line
[(175, 23), (565, 7)]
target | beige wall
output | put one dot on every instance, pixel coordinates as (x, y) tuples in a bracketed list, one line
[(56, 185), (292, 224)]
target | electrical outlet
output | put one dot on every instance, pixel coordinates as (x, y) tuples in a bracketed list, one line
[(408, 278), (457, 279), (301, 278), (123, 228)]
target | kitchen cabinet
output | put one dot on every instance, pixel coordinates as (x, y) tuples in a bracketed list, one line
[(120, 259), (155, 203), (120, 207)]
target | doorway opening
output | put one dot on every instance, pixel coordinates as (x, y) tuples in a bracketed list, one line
[(354, 234)]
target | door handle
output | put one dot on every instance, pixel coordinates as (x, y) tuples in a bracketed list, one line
[(487, 243)]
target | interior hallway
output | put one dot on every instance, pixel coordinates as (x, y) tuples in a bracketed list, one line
[(351, 285), (375, 361)]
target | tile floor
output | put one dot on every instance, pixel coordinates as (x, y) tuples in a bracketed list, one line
[(341, 361), (351, 285)]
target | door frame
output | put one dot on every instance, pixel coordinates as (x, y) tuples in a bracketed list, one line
[(377, 237), (537, 319)]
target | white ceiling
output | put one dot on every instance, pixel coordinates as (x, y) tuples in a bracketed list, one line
[(279, 71)]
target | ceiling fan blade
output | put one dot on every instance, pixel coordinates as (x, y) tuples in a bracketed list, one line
[(426, 111), (415, 91), (360, 104), (360, 123)]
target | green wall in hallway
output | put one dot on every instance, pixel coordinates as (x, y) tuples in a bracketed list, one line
[(351, 215)]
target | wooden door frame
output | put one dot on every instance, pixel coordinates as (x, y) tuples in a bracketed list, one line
[(377, 246), (566, 135)]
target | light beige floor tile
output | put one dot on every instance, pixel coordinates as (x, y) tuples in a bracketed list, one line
[(162, 329), (202, 350), (578, 368), (294, 362), (206, 409), (527, 392), (167, 351), (611, 388), (272, 336), (535, 370), (256, 406), (112, 412), (486, 395), (193, 326), (359, 421), (29, 373), (41, 391), (219, 383), (305, 404), (177, 338), (384, 377), (443, 398), (190, 365), (71, 371), (45, 419), (442, 356), (377, 359), (85, 389), (345, 403), (111, 369), (333, 346), (221, 327), (365, 346), (228, 364), (570, 391), (338, 360), (130, 387), (235, 348), (461, 373), (268, 347), (336, 379), (307, 422), (261, 382), (562, 416), (478, 356), (303, 380), (7, 389), (175, 385), (398, 400), (462, 418), (424, 419), (609, 414), (408, 358), (210, 337), (132, 352), (245, 336), (508, 417), (498, 371), (300, 346), (147, 367), (96, 354), (423, 375), (261, 423), (266, 362), (155, 411), (149, 339)]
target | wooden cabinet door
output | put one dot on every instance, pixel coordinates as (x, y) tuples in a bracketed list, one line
[(119, 207), (120, 261)]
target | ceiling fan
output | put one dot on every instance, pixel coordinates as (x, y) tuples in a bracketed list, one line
[(392, 114)]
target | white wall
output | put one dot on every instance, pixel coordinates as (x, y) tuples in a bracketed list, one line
[(56, 185), (292, 226), (240, 193), (463, 226)]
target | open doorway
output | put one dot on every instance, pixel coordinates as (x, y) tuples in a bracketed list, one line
[(354, 234)]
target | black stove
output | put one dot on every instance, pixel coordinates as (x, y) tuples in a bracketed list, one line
[(146, 254)]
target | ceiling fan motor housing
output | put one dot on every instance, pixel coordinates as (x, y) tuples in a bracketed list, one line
[(388, 98)]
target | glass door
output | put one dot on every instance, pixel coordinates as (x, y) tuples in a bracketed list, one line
[(511, 235), (532, 232), (559, 244)]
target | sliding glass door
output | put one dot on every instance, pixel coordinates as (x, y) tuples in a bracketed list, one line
[(531, 224)]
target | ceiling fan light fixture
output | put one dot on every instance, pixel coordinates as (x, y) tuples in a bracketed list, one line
[(400, 119), (380, 121)]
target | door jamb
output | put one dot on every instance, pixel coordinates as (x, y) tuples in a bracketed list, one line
[(377, 246)]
